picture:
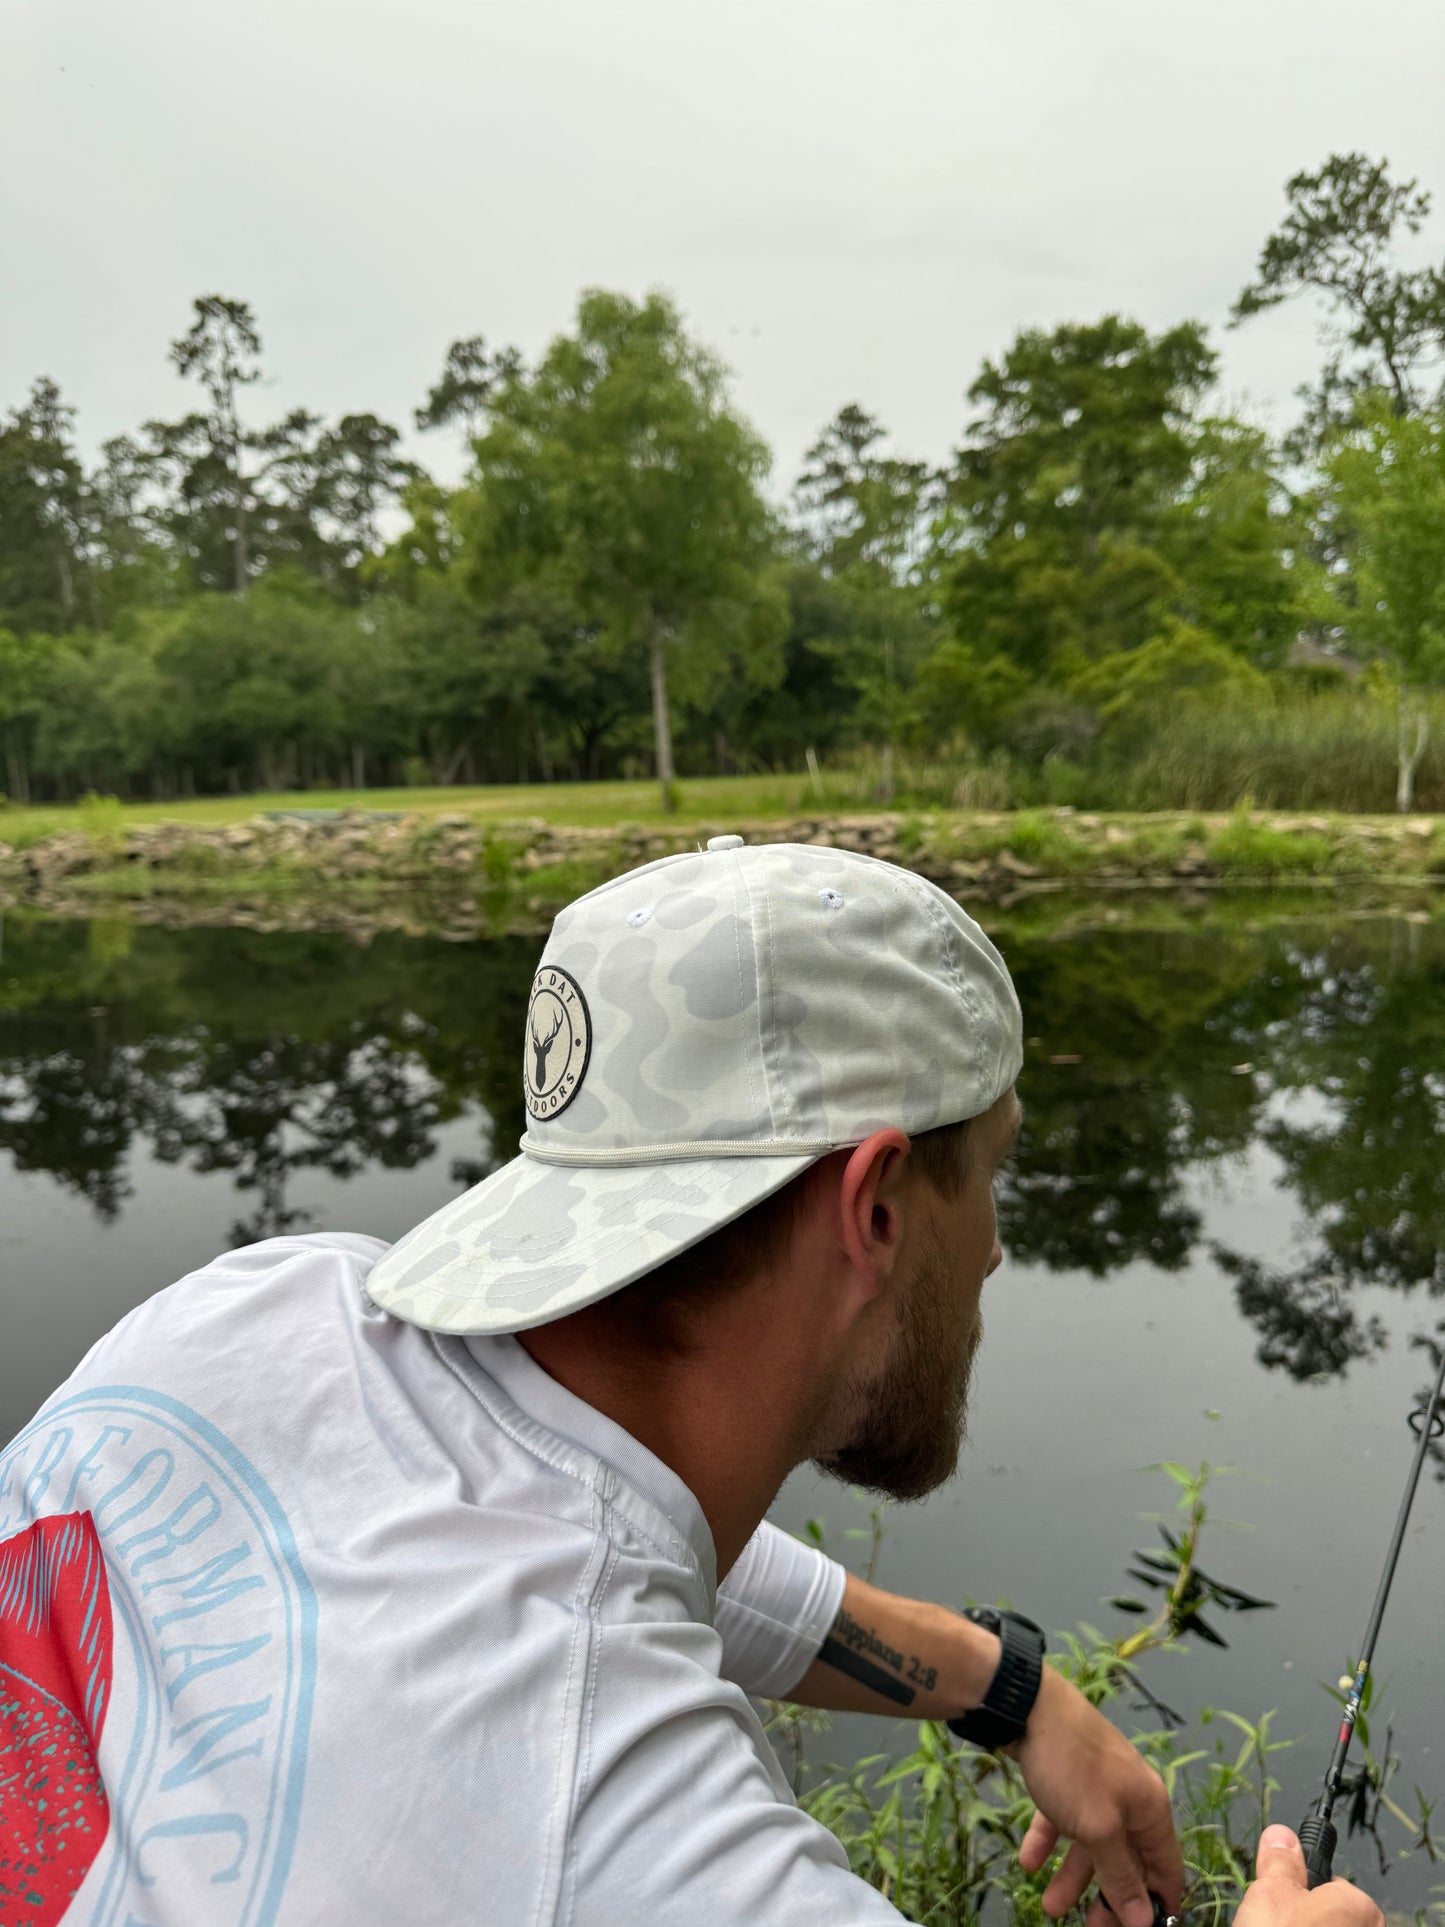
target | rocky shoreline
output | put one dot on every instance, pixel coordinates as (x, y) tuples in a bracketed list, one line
[(471, 874)]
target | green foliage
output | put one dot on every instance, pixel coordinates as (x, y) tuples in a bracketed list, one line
[(102, 819), (1060, 490), (1070, 614), (1332, 752), (960, 697), (617, 473), (1181, 669), (1244, 848), (1385, 489), (938, 1830)]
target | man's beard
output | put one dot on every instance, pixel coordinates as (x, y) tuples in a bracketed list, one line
[(911, 1418)]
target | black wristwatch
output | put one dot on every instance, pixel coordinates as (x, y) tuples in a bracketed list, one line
[(1014, 1687)]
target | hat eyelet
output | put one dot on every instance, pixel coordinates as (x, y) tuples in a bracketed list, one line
[(636, 918), (830, 899)]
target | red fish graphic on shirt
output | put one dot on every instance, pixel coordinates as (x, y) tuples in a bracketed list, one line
[(55, 1654)]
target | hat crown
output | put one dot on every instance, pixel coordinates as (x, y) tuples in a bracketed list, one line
[(762, 1000)]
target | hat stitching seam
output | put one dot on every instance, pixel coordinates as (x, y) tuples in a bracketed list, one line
[(738, 955), (945, 933), (779, 1096)]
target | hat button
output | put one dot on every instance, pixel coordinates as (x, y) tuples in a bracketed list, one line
[(725, 843)]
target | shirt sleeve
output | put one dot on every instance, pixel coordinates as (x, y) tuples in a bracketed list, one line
[(685, 1815), (774, 1610)]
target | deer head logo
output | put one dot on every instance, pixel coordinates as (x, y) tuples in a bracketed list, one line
[(540, 1048), (557, 1011)]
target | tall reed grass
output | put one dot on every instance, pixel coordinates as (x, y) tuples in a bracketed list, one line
[(1334, 753)]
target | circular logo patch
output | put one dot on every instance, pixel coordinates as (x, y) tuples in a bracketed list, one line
[(559, 1042)]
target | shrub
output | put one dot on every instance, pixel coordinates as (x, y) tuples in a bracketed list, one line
[(938, 1831), (1245, 848)]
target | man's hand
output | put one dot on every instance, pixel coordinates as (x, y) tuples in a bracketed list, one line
[(1279, 1895), (1093, 1790), (891, 1655)]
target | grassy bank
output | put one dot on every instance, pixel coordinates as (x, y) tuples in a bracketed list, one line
[(470, 866)]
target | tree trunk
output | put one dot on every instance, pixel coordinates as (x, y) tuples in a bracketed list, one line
[(1409, 759), (243, 554), (17, 780), (447, 772), (358, 767), (661, 726), (67, 580)]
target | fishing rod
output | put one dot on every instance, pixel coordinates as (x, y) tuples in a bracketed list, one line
[(1317, 1834)]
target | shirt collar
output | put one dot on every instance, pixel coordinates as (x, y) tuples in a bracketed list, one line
[(538, 1394)]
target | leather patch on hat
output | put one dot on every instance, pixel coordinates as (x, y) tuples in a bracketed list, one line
[(559, 1043)]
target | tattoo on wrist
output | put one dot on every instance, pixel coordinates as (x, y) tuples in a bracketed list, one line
[(857, 1651)]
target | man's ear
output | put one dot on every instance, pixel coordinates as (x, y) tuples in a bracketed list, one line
[(871, 1212)]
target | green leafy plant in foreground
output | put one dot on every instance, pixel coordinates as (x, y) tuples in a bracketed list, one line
[(938, 1831)]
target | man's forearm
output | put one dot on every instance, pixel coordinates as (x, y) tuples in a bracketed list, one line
[(887, 1654)]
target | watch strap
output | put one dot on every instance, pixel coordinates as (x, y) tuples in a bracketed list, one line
[(1004, 1714)]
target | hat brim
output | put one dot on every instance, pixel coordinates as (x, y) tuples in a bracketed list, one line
[(535, 1241)]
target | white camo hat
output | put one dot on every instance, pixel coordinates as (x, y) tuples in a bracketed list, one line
[(699, 1032)]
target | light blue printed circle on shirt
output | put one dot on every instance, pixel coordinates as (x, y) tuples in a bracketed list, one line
[(216, 1670)]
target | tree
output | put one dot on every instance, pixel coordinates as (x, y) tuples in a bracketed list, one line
[(864, 521), (1062, 490), (617, 473), (359, 473), (468, 378), (1238, 543), (1182, 668), (221, 349), (42, 513), (1385, 490), (26, 680), (1337, 240), (862, 509), (134, 555)]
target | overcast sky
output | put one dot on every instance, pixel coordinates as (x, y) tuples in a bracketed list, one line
[(850, 199)]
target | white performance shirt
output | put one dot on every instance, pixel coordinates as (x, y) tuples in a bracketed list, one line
[(310, 1616)]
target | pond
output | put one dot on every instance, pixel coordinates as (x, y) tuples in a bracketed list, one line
[(1223, 1231)]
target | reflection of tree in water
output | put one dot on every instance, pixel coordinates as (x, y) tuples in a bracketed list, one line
[(262, 1057), (1304, 1317), (69, 1105), (1098, 1180), (1190, 1048), (268, 1056), (283, 1106), (1366, 1168)]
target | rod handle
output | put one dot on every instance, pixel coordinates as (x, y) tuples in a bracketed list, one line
[(1162, 1915), (1318, 1838)]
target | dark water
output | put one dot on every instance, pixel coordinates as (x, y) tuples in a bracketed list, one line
[(1224, 1239)]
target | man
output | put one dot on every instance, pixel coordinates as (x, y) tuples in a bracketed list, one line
[(431, 1584)]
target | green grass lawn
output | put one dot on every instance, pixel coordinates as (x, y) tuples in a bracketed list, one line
[(712, 799), (1036, 835)]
